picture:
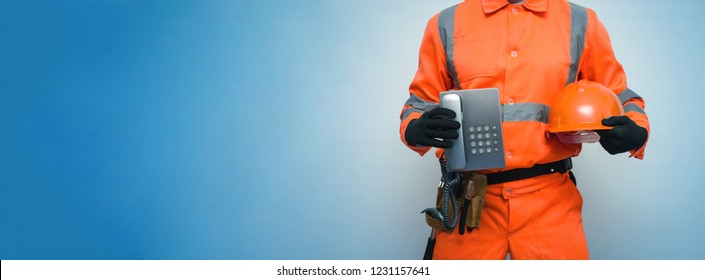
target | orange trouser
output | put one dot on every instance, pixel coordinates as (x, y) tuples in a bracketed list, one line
[(535, 218)]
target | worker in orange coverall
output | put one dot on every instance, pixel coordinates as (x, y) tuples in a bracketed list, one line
[(529, 50)]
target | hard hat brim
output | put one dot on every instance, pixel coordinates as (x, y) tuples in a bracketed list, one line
[(578, 127)]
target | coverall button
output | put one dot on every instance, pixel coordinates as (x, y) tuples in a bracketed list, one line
[(509, 154), (508, 190), (515, 11), (510, 100), (514, 53)]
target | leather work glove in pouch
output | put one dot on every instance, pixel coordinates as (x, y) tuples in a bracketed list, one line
[(625, 136)]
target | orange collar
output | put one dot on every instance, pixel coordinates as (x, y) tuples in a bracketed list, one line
[(491, 6)]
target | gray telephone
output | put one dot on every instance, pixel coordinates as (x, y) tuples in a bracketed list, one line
[(479, 145)]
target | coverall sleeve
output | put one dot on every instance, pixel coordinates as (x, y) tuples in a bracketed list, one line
[(431, 78), (601, 65)]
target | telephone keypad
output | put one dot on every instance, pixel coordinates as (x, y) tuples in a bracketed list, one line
[(483, 139)]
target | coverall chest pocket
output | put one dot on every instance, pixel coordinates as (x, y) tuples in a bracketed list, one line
[(477, 57)]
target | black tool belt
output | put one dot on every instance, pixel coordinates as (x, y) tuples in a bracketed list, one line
[(561, 166)]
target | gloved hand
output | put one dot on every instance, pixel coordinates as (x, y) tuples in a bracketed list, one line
[(625, 136), (434, 128)]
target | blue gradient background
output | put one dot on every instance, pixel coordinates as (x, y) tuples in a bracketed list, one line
[(269, 130)]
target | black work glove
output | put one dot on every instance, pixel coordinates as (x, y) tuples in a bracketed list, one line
[(434, 128), (625, 136)]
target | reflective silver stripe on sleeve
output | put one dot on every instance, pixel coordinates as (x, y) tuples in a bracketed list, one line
[(519, 112), (578, 27), (626, 95), (631, 107), (446, 25), (417, 105)]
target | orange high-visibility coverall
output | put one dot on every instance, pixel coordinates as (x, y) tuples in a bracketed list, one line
[(530, 51)]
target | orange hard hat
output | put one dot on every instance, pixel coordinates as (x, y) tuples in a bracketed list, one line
[(578, 110), (581, 106)]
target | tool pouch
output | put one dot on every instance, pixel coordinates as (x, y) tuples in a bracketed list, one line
[(470, 197), (435, 222), (476, 191)]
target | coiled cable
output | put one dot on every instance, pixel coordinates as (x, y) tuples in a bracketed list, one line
[(451, 181)]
